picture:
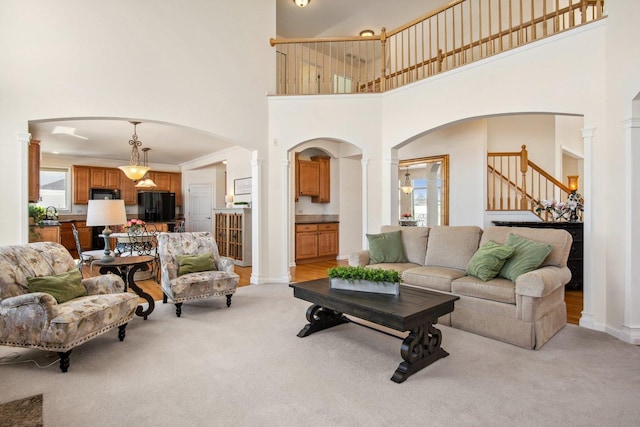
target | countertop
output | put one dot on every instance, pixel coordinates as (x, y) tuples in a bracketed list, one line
[(316, 219)]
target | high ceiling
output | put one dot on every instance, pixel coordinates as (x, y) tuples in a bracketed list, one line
[(108, 138)]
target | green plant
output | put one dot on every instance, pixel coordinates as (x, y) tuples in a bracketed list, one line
[(360, 273), (37, 213)]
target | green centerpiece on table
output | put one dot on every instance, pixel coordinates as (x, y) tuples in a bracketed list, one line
[(376, 280)]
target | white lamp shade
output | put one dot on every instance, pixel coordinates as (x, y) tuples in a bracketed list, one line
[(106, 212), (228, 198)]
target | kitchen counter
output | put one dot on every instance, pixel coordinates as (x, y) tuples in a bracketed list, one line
[(316, 219)]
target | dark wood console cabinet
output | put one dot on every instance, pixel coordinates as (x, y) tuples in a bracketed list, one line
[(575, 261)]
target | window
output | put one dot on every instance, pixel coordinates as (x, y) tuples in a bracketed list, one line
[(341, 84), (54, 188)]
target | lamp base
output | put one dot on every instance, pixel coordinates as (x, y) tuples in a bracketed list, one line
[(107, 257)]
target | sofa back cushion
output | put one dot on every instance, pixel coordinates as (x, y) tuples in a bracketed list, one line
[(560, 241), (18, 262), (452, 246), (414, 240)]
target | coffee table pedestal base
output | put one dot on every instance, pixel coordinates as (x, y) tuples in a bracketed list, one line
[(321, 318), (419, 349)]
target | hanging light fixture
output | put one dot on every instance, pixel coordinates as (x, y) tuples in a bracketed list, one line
[(366, 33), (407, 188), (133, 170), (146, 182), (301, 3)]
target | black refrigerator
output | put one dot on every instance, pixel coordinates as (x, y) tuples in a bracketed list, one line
[(156, 206)]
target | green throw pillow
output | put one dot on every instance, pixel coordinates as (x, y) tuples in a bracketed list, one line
[(63, 287), (386, 247), (528, 255), (488, 260), (195, 263)]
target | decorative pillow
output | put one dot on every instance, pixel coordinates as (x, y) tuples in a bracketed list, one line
[(63, 287), (528, 255), (195, 263), (488, 260), (386, 247)]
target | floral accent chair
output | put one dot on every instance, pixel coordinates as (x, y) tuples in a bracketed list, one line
[(38, 320), (179, 283)]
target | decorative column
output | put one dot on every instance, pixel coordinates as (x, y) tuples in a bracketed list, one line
[(257, 216), (631, 325), (288, 209), (24, 138), (390, 183), (586, 318), (365, 200)]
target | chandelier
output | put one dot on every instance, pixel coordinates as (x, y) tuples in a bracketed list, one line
[(407, 187), (133, 170), (301, 3), (146, 182)]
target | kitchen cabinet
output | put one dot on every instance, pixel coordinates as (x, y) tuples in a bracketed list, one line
[(84, 235), (34, 171), (161, 179), (49, 233), (104, 178), (176, 187), (316, 242), (324, 179), (81, 184), (233, 234), (128, 191), (312, 178)]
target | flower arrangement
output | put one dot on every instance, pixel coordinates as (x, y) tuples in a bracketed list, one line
[(406, 215), (571, 210), (134, 225)]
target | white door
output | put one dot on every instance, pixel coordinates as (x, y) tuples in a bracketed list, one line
[(200, 208)]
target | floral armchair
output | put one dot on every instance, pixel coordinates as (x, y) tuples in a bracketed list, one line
[(38, 320), (181, 286)]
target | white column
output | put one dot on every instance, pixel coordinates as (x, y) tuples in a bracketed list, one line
[(391, 211), (586, 318), (257, 215), (24, 138), (365, 201), (631, 325), (288, 209)]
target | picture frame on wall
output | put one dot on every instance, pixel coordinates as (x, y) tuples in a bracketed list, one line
[(242, 186)]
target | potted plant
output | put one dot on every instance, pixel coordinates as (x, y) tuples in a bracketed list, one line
[(36, 219), (375, 280)]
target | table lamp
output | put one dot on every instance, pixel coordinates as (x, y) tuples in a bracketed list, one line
[(229, 200), (105, 213)]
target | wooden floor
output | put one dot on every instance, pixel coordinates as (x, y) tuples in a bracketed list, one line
[(301, 273)]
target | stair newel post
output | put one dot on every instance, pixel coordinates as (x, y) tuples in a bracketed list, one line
[(383, 42), (524, 165)]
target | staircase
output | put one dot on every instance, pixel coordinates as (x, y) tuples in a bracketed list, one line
[(515, 183)]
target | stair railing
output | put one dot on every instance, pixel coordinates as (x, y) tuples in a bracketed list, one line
[(515, 183), (458, 33)]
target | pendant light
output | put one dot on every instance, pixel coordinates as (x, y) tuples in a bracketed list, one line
[(407, 188), (301, 3), (133, 170), (146, 182)]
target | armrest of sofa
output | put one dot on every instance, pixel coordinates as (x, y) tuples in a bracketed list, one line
[(542, 281), (104, 284), (359, 258), (225, 264), (26, 311)]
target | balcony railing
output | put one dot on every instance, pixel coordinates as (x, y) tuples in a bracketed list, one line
[(456, 34)]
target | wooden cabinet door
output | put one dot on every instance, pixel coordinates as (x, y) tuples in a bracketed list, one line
[(327, 239), (324, 179), (128, 190), (176, 187), (34, 170), (221, 233), (85, 234), (306, 241), (112, 177), (81, 182), (309, 178), (98, 178), (45, 234), (162, 180)]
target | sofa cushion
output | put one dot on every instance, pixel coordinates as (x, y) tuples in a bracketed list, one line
[(63, 287), (437, 278), (560, 240), (498, 289), (195, 263), (397, 266), (414, 240), (386, 247), (452, 246), (488, 260), (528, 255)]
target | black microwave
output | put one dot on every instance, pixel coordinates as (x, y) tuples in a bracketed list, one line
[(103, 194)]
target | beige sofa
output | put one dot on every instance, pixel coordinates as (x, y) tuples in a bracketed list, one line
[(526, 313)]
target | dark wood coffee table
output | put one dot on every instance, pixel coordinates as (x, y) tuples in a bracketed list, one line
[(415, 310)]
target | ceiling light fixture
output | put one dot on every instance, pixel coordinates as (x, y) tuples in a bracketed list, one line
[(366, 33), (133, 170), (301, 3), (407, 188), (146, 182)]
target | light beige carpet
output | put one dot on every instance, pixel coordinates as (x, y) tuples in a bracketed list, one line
[(245, 366)]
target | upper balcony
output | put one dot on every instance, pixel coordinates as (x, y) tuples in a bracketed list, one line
[(461, 32)]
